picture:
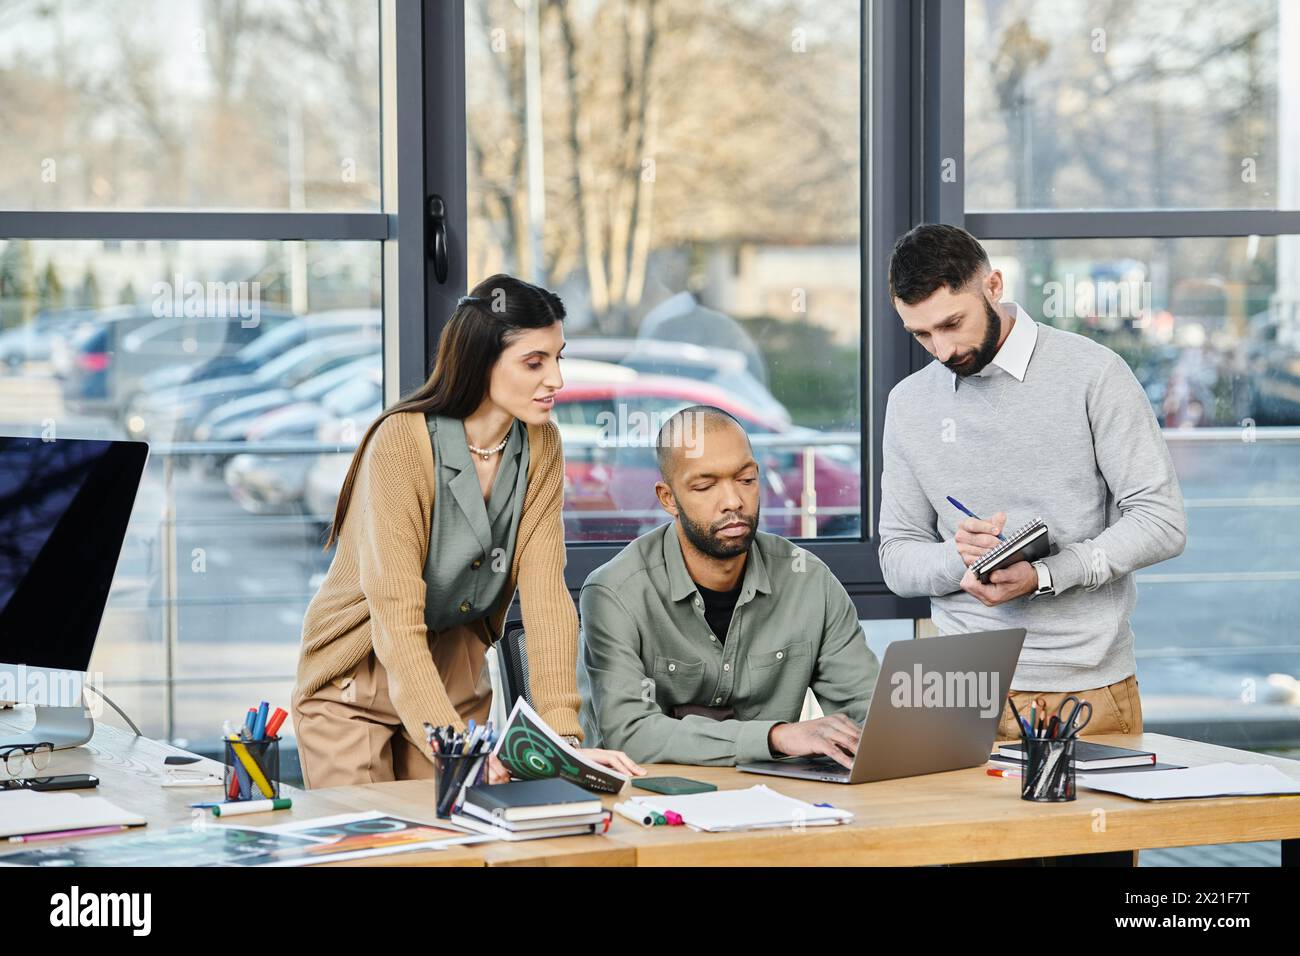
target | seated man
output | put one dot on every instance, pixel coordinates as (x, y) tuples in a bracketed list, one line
[(701, 638)]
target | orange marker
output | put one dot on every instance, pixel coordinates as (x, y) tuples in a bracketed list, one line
[(277, 719)]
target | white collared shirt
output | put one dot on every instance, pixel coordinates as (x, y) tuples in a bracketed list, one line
[(1013, 357)]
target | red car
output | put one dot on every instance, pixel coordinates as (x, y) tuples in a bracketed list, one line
[(609, 418)]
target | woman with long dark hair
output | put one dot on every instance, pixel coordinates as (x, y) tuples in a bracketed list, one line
[(452, 501)]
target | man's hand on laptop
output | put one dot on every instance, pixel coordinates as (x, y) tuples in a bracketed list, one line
[(835, 736), (1005, 584), (976, 536)]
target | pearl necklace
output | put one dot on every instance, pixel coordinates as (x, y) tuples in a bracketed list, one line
[(486, 453)]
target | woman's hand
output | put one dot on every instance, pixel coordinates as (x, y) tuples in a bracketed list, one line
[(497, 773), (614, 760)]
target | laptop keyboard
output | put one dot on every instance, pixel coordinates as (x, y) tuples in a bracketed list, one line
[(827, 765)]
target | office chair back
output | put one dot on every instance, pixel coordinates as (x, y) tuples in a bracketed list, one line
[(513, 664)]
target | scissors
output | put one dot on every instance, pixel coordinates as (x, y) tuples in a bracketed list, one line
[(1070, 725)]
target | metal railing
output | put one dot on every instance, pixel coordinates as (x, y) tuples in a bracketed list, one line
[(807, 510), (169, 453)]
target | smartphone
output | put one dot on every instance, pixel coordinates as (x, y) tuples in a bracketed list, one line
[(67, 781), (672, 786)]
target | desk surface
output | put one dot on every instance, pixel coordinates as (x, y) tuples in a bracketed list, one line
[(966, 816), (962, 816)]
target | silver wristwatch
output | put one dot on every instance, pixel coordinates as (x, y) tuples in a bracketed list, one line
[(1044, 579)]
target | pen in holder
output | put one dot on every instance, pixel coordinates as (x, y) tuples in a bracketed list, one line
[(1049, 769), (455, 772), (252, 769)]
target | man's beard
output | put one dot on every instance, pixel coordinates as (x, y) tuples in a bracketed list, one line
[(706, 540), (987, 348)]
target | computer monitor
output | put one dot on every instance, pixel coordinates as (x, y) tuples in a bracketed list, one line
[(64, 509)]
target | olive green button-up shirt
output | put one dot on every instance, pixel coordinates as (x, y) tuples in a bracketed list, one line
[(646, 649), (471, 541)]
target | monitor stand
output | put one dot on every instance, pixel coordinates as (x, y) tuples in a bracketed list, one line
[(64, 727)]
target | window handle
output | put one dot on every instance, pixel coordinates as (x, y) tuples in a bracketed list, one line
[(438, 236)]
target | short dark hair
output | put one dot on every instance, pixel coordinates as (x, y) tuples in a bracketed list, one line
[(667, 441), (934, 255)]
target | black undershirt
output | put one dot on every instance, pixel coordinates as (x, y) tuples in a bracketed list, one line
[(718, 608)]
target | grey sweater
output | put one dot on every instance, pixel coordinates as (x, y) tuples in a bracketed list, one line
[(1076, 443)]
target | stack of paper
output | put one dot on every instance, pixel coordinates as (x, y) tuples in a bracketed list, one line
[(1211, 780), (759, 807), (32, 811)]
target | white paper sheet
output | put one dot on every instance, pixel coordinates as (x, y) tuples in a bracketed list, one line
[(1211, 780), (755, 808)]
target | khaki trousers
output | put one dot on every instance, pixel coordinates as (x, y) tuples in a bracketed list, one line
[(1116, 708), (349, 732)]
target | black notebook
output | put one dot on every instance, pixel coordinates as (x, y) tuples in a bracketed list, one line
[(533, 799), (1087, 756), (1030, 543)]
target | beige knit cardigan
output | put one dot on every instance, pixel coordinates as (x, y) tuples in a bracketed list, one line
[(373, 594)]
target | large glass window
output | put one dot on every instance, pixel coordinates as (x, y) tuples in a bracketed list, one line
[(686, 175), (1211, 327), (247, 362), (1075, 104), (203, 350), (121, 104), (1214, 338), (1105, 120)]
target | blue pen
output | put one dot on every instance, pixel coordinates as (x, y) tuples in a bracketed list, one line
[(259, 725), (966, 511)]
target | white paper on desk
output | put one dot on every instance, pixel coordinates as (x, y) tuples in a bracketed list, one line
[(24, 812), (758, 807), (1211, 780)]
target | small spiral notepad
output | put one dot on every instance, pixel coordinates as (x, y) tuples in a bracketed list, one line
[(1030, 543)]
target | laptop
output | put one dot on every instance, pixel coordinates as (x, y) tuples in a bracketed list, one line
[(935, 708)]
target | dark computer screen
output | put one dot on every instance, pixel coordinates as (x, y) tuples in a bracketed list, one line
[(64, 508)]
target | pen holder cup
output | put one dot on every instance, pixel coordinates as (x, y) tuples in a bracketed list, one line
[(252, 769), (453, 773), (1049, 770)]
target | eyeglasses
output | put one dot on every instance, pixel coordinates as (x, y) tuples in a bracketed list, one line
[(38, 755)]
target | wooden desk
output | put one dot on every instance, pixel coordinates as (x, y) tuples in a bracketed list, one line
[(964, 816), (130, 770)]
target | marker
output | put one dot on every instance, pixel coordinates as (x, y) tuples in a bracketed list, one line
[(966, 511), (277, 719), (1004, 773), (634, 813), (252, 806), (259, 724), (85, 831)]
